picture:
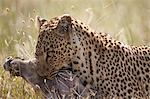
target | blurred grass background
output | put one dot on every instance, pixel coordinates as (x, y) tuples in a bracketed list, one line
[(125, 20)]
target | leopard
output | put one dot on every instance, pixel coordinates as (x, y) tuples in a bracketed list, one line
[(110, 67)]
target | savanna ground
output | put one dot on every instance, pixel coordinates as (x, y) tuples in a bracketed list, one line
[(125, 20)]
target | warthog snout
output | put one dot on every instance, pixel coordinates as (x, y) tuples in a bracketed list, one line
[(7, 64)]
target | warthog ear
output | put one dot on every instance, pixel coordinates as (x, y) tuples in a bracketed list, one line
[(39, 22), (64, 25)]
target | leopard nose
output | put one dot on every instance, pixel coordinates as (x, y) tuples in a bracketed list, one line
[(7, 65)]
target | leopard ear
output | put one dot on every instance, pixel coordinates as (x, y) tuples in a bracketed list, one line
[(39, 22), (64, 25)]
